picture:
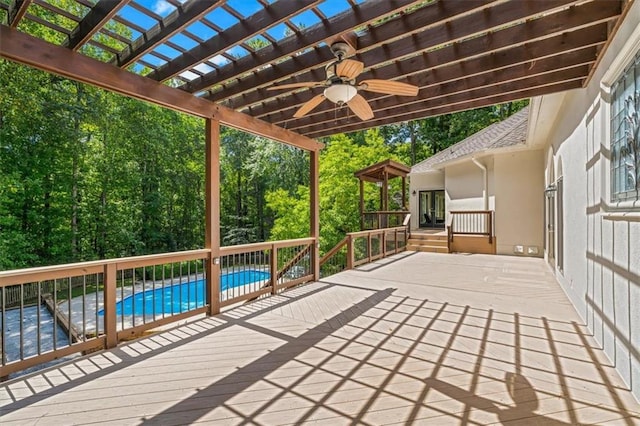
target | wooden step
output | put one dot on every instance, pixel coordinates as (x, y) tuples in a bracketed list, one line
[(418, 236), (428, 248), (420, 242)]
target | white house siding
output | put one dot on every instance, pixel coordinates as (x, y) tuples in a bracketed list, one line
[(601, 271), (422, 182), (519, 201)]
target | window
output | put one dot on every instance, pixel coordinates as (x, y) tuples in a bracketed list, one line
[(625, 131)]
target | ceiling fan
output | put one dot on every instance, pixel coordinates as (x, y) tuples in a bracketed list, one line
[(341, 88)]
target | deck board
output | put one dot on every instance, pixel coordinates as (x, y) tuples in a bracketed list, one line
[(424, 339)]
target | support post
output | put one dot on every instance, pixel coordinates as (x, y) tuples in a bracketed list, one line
[(349, 252), (404, 194), (212, 214), (110, 321), (314, 199), (361, 205), (383, 244), (274, 269)]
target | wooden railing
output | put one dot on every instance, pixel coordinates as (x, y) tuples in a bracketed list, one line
[(274, 266), (382, 219), (471, 222), (362, 247), (52, 312)]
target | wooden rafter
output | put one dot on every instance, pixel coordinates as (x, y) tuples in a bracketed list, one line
[(17, 9), (308, 66), (417, 113), (460, 55), (362, 14), (175, 22), (465, 28), (461, 97), (272, 14), (439, 92), (23, 48), (519, 61)]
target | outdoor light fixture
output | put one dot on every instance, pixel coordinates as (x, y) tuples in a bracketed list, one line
[(414, 192), (340, 93)]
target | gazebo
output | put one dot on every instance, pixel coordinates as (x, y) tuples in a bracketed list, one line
[(380, 174)]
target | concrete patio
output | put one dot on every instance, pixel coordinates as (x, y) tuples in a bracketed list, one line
[(417, 338)]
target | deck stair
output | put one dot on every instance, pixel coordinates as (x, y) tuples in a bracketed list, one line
[(428, 242)]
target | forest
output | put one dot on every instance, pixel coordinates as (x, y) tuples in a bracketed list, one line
[(87, 174)]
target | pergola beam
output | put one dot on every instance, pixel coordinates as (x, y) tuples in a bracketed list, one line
[(575, 73), (505, 47), (361, 15), (97, 17), (243, 30), (311, 62), (448, 109), (446, 32), (512, 37), (176, 21), (462, 77), (23, 48)]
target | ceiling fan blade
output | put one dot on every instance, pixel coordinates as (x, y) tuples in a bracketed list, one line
[(295, 85), (361, 108), (308, 106), (349, 69), (389, 87)]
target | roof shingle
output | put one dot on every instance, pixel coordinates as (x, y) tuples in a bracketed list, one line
[(509, 132)]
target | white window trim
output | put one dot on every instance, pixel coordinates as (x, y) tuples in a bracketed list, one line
[(618, 65)]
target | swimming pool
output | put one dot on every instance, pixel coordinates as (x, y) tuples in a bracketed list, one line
[(181, 297)]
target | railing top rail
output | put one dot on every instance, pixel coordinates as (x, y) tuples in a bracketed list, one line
[(264, 246), (376, 231), (471, 212), (41, 273), (387, 212), (334, 250)]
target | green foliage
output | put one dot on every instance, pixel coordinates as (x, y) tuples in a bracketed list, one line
[(87, 174)]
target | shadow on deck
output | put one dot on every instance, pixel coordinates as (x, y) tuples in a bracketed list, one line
[(491, 340)]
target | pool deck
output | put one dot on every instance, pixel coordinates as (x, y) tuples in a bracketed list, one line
[(418, 338)]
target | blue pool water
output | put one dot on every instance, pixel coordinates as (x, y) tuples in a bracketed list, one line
[(183, 297)]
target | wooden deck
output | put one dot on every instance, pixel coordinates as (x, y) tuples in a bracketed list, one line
[(418, 338)]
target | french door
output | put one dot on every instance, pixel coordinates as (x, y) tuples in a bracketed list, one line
[(431, 209)]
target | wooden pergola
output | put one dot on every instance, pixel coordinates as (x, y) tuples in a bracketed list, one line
[(380, 174), (215, 59), (221, 56)]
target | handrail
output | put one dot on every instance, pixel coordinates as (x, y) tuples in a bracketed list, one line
[(381, 219), (87, 296), (471, 222), (356, 256), (333, 251), (302, 253), (41, 273), (264, 246)]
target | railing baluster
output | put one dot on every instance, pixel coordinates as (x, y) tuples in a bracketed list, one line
[(21, 321), (69, 322), (38, 306), (55, 317)]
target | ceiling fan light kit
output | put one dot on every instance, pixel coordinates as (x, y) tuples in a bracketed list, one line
[(340, 93), (340, 86)]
